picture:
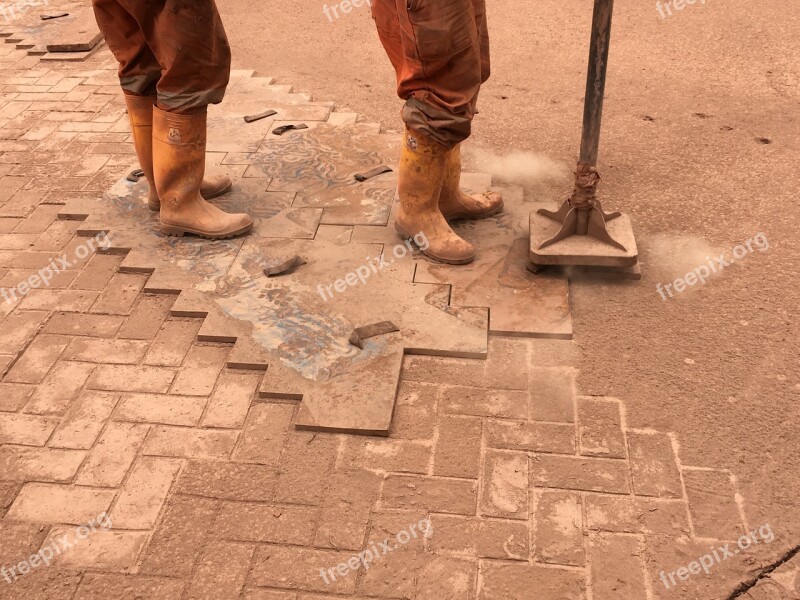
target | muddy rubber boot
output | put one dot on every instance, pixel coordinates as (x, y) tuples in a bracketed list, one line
[(140, 114), (422, 169), (179, 160), (455, 204)]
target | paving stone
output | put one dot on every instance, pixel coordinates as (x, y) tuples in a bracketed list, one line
[(17, 329), (98, 272), (346, 508), (46, 503), (125, 378), (616, 567), (444, 578), (510, 404), (99, 350), (65, 323), (84, 420), (13, 396), (184, 442), (179, 537), (265, 433), (100, 549), (221, 572), (451, 371), (101, 586), (576, 473), (402, 456), (620, 514), (230, 402), (147, 316), (559, 528), (27, 463), (553, 438), (25, 430), (504, 491), (144, 493), (37, 360), (434, 494), (307, 461), (155, 408), (600, 428), (259, 522), (507, 364), (118, 296), (414, 415), (200, 371), (297, 567), (57, 391), (514, 581), (228, 481), (479, 538), (654, 465), (397, 540), (552, 393), (264, 594), (19, 541), (71, 300), (172, 343), (112, 456), (458, 447), (712, 504)]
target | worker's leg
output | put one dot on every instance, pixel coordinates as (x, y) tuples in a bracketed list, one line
[(189, 43), (435, 48), (139, 74)]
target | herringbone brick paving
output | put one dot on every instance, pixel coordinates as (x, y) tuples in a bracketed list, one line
[(108, 402)]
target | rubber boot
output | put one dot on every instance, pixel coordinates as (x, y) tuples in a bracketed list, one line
[(422, 169), (455, 204), (179, 160), (140, 113)]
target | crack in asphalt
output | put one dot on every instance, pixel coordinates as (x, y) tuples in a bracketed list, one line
[(746, 586)]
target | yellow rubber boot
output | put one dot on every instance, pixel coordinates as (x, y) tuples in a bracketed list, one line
[(422, 170), (140, 114), (179, 160), (455, 204)]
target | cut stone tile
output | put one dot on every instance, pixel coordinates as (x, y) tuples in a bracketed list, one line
[(504, 492), (258, 522), (228, 481), (576, 473), (200, 371), (306, 464), (458, 447), (38, 359), (479, 538), (184, 442), (45, 503), (25, 463), (600, 428), (25, 430), (172, 343), (84, 420), (346, 509), (654, 465), (231, 400), (712, 503), (100, 549), (265, 433), (57, 391), (156, 408), (559, 528), (552, 393), (616, 567), (430, 494), (514, 581), (144, 493), (112, 456), (129, 378), (221, 571), (553, 438), (620, 514)]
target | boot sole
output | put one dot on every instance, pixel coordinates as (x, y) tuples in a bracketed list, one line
[(447, 261), (473, 217), (156, 206), (176, 231)]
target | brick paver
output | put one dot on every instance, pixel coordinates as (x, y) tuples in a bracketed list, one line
[(108, 402)]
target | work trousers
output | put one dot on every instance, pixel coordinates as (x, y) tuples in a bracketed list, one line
[(440, 53), (176, 49)]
